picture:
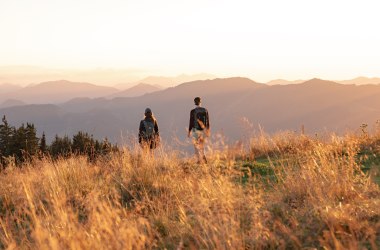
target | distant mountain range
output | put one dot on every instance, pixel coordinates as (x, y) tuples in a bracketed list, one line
[(137, 90), (164, 82), (361, 81), (11, 103), (284, 82), (54, 92), (317, 104), (57, 92), (24, 74), (357, 81), (173, 81)]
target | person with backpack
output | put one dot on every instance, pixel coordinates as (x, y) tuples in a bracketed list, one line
[(199, 129), (149, 136)]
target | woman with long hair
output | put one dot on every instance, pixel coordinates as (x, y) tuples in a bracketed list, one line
[(149, 136)]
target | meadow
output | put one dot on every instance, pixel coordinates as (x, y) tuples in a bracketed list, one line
[(284, 191)]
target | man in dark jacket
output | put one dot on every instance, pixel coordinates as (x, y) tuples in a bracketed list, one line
[(199, 129), (148, 131)]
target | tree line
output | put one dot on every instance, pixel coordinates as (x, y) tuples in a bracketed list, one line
[(23, 144)]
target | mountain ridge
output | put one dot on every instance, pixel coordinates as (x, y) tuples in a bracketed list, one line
[(57, 91), (361, 80), (136, 90), (317, 104)]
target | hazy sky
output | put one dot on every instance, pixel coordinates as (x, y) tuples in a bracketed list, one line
[(264, 40)]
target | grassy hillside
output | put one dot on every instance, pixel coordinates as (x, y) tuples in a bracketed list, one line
[(284, 191)]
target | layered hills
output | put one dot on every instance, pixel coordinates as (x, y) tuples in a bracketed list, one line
[(318, 105)]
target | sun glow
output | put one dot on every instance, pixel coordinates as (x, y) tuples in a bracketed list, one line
[(260, 39)]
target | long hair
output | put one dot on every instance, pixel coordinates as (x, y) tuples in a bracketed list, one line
[(150, 115)]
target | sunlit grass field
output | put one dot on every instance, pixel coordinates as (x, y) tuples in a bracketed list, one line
[(285, 191)]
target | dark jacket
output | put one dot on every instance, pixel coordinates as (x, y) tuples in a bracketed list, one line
[(192, 118), (142, 129)]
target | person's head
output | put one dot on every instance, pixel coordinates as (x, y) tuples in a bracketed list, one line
[(197, 101), (148, 112)]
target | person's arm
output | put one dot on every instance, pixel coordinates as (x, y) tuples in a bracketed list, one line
[(141, 128), (191, 122), (207, 124), (156, 128)]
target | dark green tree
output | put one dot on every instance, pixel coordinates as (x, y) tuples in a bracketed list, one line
[(6, 134), (61, 147), (31, 140), (83, 143), (25, 142), (43, 147), (18, 146)]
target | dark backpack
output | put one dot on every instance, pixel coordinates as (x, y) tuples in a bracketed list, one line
[(200, 118), (149, 129)]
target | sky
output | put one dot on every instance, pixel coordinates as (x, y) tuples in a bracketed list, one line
[(263, 40)]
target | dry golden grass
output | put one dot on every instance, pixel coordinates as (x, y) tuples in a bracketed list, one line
[(316, 197)]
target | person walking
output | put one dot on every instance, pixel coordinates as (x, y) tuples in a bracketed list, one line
[(199, 129), (149, 136)]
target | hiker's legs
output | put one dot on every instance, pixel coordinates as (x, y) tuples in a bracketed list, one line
[(146, 149), (201, 151), (198, 141), (197, 151)]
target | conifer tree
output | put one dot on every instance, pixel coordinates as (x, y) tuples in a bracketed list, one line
[(5, 138), (60, 147), (43, 147), (31, 143), (83, 143), (18, 144)]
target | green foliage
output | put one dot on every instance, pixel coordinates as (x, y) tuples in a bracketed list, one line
[(60, 147), (256, 169), (83, 143), (369, 160), (22, 144), (43, 146), (5, 138)]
